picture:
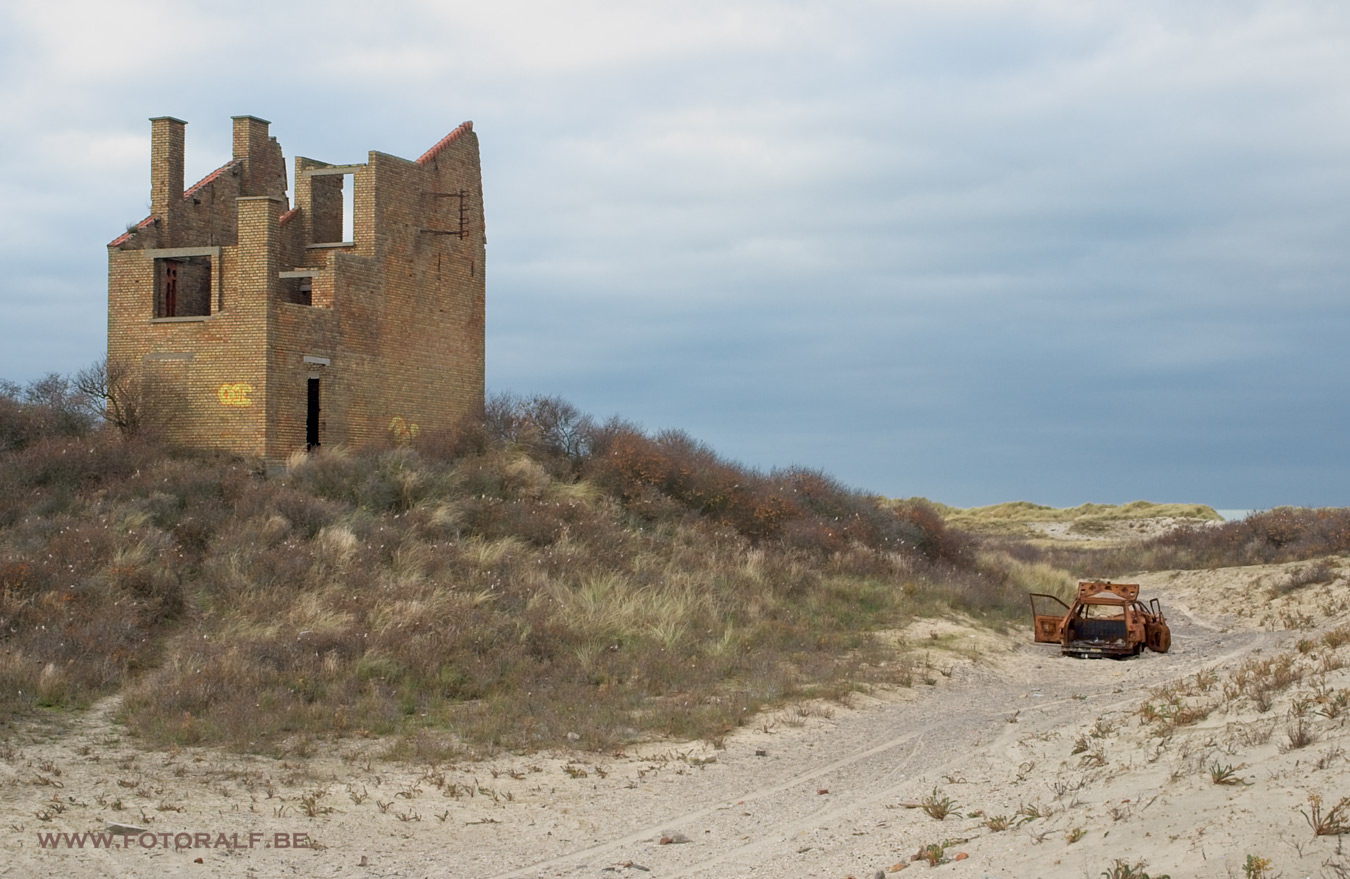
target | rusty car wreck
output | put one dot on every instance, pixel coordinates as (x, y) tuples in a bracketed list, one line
[(1106, 619)]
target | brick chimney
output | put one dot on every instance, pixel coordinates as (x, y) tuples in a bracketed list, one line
[(166, 165), (251, 145)]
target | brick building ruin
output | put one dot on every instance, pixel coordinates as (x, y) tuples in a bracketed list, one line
[(249, 325)]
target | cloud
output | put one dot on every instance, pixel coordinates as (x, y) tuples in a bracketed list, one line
[(966, 248)]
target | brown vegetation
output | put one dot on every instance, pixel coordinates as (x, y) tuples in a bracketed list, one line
[(531, 581), (1284, 534)]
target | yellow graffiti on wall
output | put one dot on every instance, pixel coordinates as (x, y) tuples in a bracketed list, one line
[(403, 431), (236, 394)]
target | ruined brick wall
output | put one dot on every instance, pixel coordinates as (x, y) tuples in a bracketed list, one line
[(422, 334), (390, 325), (200, 371), (201, 378)]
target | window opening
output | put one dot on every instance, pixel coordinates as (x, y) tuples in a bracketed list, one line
[(333, 206), (297, 291), (183, 287), (348, 207)]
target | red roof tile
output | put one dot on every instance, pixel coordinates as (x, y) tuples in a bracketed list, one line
[(196, 187), (209, 178), (450, 138), (126, 236)]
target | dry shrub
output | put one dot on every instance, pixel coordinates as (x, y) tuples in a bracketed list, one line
[(49, 475), (501, 639), (45, 408), (549, 429), (85, 613), (674, 465), (1316, 574), (1334, 638), (1261, 680), (1285, 534), (467, 438), (1332, 822), (660, 478), (388, 480), (535, 577), (1281, 535)]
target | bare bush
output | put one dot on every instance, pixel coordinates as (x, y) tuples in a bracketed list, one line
[(49, 407), (522, 581), (109, 391)]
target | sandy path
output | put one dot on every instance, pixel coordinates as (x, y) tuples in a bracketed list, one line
[(830, 795), (770, 820)]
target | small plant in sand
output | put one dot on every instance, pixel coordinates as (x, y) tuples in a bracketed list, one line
[(1262, 679), (1330, 703), (1300, 734), (1256, 868), (311, 803), (938, 807), (998, 823), (1122, 869), (1029, 813), (1334, 822), (1172, 712), (933, 854), (1093, 759), (1330, 756), (1337, 636), (1224, 775)]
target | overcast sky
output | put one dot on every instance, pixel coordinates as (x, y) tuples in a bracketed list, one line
[(1057, 251)]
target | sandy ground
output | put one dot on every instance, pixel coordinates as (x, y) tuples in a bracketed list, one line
[(1049, 767), (1112, 530)]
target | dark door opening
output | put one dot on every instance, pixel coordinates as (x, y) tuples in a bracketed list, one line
[(312, 417)]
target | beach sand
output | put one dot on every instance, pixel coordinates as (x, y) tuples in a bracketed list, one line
[(1047, 766)]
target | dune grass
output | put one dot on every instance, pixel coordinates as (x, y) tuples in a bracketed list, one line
[(520, 584), (1284, 534), (531, 581), (1011, 518)]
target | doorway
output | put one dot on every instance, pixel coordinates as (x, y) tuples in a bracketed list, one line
[(312, 417)]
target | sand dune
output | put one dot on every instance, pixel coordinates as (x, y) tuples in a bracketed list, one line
[(1047, 766)]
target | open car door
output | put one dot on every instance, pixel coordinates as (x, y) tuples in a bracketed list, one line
[(1047, 614), (1156, 633)]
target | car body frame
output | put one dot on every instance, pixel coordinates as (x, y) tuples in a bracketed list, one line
[(1105, 619)]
